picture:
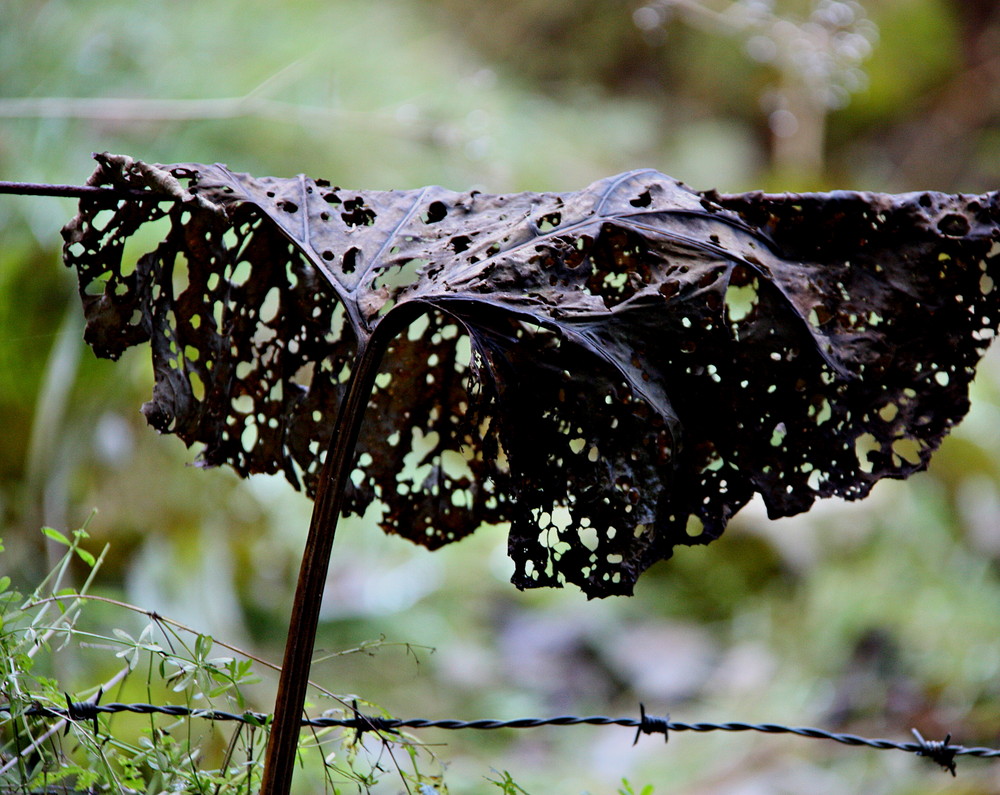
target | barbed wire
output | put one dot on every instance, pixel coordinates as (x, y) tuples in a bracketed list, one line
[(940, 751)]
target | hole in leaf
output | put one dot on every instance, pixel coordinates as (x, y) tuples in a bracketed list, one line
[(588, 537), (352, 259), (197, 386), (644, 199), (954, 225), (248, 439), (863, 445), (907, 449), (97, 286), (549, 222), (242, 404), (356, 213), (778, 435), (740, 300), (269, 307), (241, 272), (888, 412), (436, 211)]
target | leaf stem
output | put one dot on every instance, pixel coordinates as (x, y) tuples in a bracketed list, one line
[(282, 744)]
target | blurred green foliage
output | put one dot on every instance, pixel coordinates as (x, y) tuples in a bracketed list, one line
[(870, 617)]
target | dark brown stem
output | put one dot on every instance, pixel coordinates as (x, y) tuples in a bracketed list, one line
[(279, 761)]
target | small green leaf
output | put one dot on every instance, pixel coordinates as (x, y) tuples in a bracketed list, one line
[(256, 720), (85, 556), (23, 662), (122, 635), (218, 676), (203, 645), (55, 535), (4, 583)]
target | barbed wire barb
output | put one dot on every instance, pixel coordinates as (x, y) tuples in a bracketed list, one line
[(362, 723), (83, 710), (650, 724), (941, 752)]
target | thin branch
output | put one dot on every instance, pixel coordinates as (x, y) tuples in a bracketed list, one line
[(250, 106), (146, 110), (178, 625)]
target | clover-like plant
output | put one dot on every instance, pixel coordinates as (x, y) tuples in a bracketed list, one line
[(614, 372)]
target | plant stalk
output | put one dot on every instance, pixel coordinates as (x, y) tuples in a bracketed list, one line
[(279, 759)]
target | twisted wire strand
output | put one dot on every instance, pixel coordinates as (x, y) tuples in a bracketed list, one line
[(941, 752)]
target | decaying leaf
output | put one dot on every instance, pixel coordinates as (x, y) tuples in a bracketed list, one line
[(614, 371)]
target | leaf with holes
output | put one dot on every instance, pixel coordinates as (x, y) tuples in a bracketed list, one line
[(614, 371)]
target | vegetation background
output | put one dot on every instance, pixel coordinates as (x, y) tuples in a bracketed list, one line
[(871, 617)]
